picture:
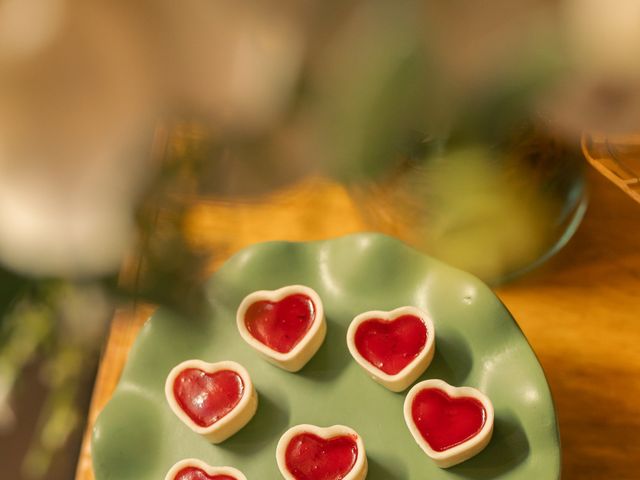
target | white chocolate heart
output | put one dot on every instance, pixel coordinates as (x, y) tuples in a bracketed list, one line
[(465, 448), (358, 470), (232, 421), (307, 346), (401, 380), (200, 465)]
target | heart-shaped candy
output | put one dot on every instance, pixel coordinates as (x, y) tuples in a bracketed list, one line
[(193, 469), (213, 399), (307, 452), (394, 347), (287, 326), (450, 424)]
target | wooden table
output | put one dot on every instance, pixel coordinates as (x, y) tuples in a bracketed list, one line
[(581, 313)]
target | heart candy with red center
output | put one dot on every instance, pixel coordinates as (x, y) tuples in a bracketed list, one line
[(192, 473), (287, 326), (394, 347), (450, 424), (314, 458), (207, 397), (307, 452), (193, 469), (280, 325), (213, 399)]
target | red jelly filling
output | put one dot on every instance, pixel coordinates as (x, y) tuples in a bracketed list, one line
[(207, 397), (193, 473), (281, 325), (310, 457), (391, 346), (444, 421)]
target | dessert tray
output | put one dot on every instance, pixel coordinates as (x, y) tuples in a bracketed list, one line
[(477, 345)]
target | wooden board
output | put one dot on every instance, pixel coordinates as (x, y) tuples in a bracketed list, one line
[(581, 313)]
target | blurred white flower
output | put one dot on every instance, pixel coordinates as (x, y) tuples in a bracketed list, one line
[(70, 225), (82, 83), (73, 111)]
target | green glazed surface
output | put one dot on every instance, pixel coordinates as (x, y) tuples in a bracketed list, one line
[(137, 437)]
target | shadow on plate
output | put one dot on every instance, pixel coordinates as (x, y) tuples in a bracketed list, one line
[(265, 427), (452, 361), (329, 362), (509, 447)]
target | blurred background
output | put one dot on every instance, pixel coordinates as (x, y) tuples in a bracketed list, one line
[(459, 127)]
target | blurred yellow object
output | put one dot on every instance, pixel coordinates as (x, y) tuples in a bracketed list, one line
[(496, 212), (617, 157)]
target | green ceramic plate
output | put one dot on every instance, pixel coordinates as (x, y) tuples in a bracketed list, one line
[(137, 437)]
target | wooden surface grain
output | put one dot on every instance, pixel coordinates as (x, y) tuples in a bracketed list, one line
[(580, 312)]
